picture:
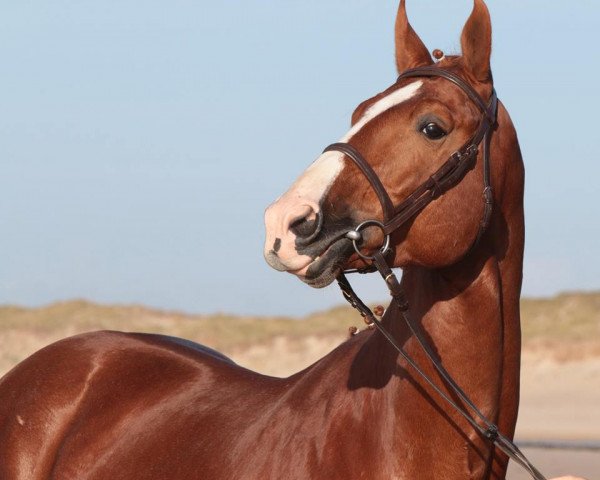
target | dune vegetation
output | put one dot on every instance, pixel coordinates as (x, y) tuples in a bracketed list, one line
[(566, 326)]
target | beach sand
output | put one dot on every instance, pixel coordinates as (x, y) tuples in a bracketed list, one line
[(560, 401), (556, 463)]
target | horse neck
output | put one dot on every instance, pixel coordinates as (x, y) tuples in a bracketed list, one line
[(470, 314), (473, 305), (482, 288), (470, 310)]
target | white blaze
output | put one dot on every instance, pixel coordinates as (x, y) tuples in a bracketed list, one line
[(305, 195), (317, 179), (395, 98)]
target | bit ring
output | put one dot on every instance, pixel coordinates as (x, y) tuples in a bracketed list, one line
[(356, 236)]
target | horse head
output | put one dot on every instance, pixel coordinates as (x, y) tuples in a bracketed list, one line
[(406, 134)]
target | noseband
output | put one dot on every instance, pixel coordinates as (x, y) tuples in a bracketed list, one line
[(447, 176)]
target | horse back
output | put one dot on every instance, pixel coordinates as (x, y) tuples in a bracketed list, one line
[(107, 394)]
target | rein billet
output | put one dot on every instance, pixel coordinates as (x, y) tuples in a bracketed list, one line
[(446, 177)]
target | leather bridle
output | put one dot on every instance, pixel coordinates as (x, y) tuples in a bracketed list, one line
[(447, 176)]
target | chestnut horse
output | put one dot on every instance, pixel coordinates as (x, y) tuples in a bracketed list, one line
[(111, 405)]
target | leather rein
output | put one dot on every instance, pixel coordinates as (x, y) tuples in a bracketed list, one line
[(447, 176)]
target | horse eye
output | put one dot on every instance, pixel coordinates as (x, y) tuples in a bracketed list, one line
[(433, 131)]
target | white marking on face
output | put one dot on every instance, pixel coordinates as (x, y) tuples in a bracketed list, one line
[(317, 179), (312, 186), (298, 202), (395, 98)]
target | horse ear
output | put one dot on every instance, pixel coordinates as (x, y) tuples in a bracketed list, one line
[(410, 50), (476, 42)]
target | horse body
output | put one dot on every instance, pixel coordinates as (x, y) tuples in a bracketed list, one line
[(122, 406), (143, 406), (114, 405)]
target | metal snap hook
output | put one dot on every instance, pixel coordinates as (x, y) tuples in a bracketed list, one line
[(356, 237)]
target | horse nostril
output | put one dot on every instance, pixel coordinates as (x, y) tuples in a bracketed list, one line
[(307, 228)]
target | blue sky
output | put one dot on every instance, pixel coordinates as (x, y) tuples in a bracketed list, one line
[(141, 141)]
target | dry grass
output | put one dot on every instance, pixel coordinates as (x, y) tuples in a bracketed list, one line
[(25, 330), (565, 327)]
